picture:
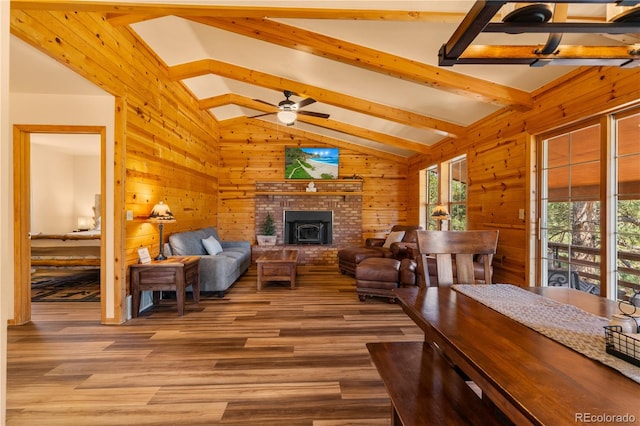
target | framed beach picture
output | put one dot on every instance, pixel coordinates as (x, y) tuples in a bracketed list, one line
[(311, 163)]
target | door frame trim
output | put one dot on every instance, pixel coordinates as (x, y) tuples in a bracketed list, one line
[(22, 211)]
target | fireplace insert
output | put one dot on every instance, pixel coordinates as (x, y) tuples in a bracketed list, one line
[(308, 227)]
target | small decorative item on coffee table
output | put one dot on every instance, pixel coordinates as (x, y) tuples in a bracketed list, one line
[(172, 274), (277, 265)]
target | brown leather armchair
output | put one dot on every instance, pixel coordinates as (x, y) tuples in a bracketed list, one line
[(350, 257), (398, 250)]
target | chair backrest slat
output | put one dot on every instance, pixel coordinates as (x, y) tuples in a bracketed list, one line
[(465, 246)]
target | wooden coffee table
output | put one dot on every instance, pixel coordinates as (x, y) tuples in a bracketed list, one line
[(277, 265)]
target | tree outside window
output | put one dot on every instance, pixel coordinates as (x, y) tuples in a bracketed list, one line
[(432, 183), (458, 193)]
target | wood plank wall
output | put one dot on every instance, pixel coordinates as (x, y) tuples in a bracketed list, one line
[(171, 151), (498, 153), (251, 152), (168, 145)]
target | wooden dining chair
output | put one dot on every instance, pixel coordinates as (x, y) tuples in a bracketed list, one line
[(464, 247)]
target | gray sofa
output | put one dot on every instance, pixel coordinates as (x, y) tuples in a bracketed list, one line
[(217, 272)]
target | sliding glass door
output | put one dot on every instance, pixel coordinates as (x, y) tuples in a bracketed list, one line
[(590, 207), (570, 227)]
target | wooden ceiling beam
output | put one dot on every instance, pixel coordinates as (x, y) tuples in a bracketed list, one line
[(128, 13), (275, 128), (338, 126), (372, 60), (561, 52), (211, 66)]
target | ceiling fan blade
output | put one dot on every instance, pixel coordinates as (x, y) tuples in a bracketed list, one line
[(303, 103), (266, 103), (313, 114), (261, 115)]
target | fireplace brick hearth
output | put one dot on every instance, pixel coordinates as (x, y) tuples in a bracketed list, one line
[(342, 197)]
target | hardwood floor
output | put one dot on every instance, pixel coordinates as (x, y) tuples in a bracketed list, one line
[(274, 357)]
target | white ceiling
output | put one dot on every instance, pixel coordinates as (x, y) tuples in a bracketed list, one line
[(177, 41)]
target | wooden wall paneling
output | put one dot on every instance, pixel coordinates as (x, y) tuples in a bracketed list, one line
[(169, 145), (499, 144), (251, 153), (183, 178), (509, 262), (119, 227), (497, 170), (496, 191)]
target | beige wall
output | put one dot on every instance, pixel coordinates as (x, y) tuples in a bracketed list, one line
[(63, 187)]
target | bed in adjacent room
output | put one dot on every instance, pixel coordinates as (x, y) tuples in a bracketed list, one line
[(79, 249)]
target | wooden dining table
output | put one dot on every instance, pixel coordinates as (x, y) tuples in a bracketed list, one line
[(530, 378)]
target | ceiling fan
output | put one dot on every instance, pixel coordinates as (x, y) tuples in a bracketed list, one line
[(289, 110)]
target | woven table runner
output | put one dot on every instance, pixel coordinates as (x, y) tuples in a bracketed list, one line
[(566, 324)]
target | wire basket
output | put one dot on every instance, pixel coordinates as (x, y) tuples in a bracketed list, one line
[(621, 345)]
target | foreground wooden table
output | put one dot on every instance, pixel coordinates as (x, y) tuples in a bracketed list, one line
[(173, 274), (277, 265), (531, 378)]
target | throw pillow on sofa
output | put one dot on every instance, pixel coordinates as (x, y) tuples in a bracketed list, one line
[(393, 237), (212, 246)]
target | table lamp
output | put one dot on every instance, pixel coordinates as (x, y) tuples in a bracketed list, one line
[(161, 214), (440, 213), (85, 223)]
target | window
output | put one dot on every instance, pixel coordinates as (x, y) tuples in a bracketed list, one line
[(590, 207), (458, 193), (452, 192), (431, 196)]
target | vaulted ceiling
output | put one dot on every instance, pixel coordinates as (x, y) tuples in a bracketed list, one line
[(372, 66)]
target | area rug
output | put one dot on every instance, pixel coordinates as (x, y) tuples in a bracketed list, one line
[(66, 286)]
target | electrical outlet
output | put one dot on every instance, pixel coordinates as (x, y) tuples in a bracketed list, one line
[(521, 214), (129, 214)]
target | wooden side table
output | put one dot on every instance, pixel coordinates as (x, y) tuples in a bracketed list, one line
[(173, 274), (277, 265)]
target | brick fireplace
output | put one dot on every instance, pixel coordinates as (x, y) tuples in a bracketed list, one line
[(341, 198)]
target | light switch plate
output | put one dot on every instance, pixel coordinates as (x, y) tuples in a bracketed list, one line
[(521, 214), (129, 214)]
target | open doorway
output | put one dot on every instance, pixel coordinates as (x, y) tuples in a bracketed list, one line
[(65, 215)]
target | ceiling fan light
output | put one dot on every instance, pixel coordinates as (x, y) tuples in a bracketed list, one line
[(287, 117)]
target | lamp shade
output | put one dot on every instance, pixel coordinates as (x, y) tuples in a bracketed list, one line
[(85, 223), (287, 116), (440, 212), (161, 213)]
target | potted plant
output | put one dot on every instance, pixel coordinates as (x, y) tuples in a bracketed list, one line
[(268, 236)]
